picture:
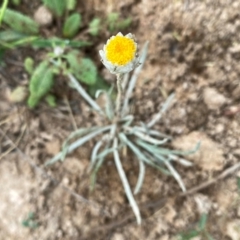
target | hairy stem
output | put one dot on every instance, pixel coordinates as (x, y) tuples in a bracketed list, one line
[(119, 96)]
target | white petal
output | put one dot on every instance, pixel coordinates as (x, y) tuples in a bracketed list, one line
[(120, 34), (101, 53), (104, 48), (129, 35)]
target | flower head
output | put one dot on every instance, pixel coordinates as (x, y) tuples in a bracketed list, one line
[(119, 55)]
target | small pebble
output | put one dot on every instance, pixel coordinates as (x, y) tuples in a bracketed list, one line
[(43, 16), (213, 99)]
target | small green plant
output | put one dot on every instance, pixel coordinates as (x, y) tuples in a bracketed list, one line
[(200, 231), (120, 129), (113, 23), (58, 62), (30, 221), (116, 24), (62, 56), (94, 26)]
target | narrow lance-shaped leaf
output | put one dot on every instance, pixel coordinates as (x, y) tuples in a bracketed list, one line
[(10, 35), (72, 25), (121, 25), (51, 100), (43, 43), (20, 22), (94, 26), (40, 83), (111, 21), (29, 65), (71, 4), (58, 7)]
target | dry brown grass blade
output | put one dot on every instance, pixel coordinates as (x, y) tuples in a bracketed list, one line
[(206, 184), (15, 144), (74, 124)]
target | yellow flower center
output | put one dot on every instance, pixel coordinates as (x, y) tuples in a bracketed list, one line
[(120, 50)]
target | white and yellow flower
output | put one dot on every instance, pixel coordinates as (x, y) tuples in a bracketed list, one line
[(119, 55)]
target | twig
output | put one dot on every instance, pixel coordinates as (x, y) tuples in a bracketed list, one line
[(148, 205), (206, 184), (71, 113), (15, 145), (12, 116)]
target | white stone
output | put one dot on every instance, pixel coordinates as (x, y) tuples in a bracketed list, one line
[(43, 16), (213, 99)]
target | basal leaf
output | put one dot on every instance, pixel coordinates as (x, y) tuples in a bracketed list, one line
[(71, 4), (40, 83), (94, 26), (58, 7), (20, 22), (51, 100), (29, 65), (10, 35), (72, 25), (51, 42)]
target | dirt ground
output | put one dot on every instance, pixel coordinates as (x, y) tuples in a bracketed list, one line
[(194, 51)]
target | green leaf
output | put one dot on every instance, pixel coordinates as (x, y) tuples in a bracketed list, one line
[(83, 68), (29, 222), (72, 25), (71, 4), (51, 100), (10, 35), (29, 65), (40, 83), (238, 183), (114, 23), (94, 26), (111, 21), (123, 24), (16, 2), (58, 7), (202, 222), (209, 237), (189, 235), (42, 43), (20, 22)]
